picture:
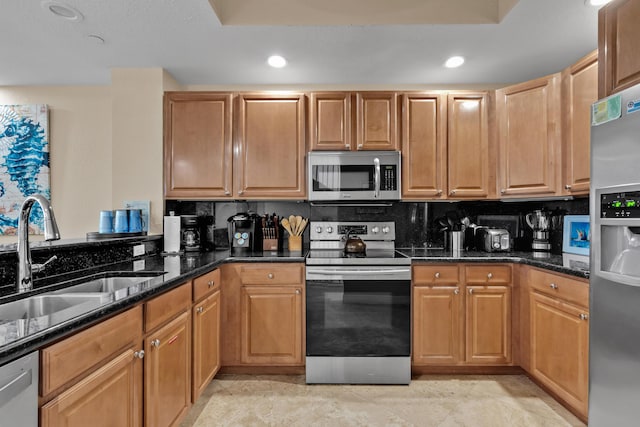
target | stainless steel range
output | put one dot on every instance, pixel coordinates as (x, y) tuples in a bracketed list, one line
[(358, 306)]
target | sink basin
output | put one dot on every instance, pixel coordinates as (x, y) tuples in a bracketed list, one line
[(120, 285), (40, 306)]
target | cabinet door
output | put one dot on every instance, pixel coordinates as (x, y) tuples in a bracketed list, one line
[(618, 46), (330, 127), (270, 148), (560, 349), (529, 136), (111, 396), (377, 116), (272, 325), (167, 373), (197, 144), (488, 331), (437, 326), (579, 91), (206, 342), (468, 145), (424, 133)]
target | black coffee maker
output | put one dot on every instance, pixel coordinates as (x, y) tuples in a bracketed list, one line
[(245, 233)]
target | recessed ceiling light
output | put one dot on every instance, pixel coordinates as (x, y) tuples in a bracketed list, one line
[(277, 61), (62, 10), (596, 2), (454, 61)]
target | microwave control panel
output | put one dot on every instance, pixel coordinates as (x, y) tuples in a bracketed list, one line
[(388, 179), (620, 205)]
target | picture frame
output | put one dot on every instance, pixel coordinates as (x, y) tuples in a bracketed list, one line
[(576, 235)]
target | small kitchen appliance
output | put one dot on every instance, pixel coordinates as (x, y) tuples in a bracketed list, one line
[(493, 239), (540, 222), (245, 232), (358, 305), (189, 233)]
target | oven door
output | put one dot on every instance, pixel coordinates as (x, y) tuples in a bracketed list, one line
[(358, 327)]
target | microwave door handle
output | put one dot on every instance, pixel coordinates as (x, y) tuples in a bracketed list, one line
[(376, 177)]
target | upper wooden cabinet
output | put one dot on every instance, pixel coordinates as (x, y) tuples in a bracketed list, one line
[(424, 138), (376, 121), (579, 91), (618, 46), (330, 121), (528, 120), (468, 145), (270, 147), (197, 144)]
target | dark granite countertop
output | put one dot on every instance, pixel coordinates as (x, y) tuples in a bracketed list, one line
[(17, 339)]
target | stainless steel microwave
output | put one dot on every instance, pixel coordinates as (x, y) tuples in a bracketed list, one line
[(354, 175)]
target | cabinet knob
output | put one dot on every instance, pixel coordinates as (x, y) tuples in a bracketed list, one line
[(227, 193), (584, 316), (489, 276), (452, 192), (456, 291), (437, 275), (210, 283), (270, 275), (470, 291), (553, 286), (567, 187), (199, 310), (139, 354), (297, 291), (359, 145), (439, 193), (502, 191), (347, 146), (240, 192), (155, 343)]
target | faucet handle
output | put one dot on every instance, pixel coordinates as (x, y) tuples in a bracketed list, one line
[(37, 268)]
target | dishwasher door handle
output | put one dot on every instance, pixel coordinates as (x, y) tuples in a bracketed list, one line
[(14, 387)]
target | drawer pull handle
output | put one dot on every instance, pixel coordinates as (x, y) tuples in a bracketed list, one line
[(456, 291), (553, 286), (470, 291), (199, 310), (210, 283), (489, 276), (437, 275), (155, 343), (139, 354), (567, 187), (584, 316), (270, 275), (297, 291)]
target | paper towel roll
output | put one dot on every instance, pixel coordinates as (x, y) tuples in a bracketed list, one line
[(171, 234)]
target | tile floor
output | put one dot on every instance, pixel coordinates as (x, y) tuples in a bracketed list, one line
[(430, 400)]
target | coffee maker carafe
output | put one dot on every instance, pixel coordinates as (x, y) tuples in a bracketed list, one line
[(540, 222), (244, 233), (189, 233)]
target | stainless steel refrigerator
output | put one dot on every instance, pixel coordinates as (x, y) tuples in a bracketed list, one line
[(614, 325)]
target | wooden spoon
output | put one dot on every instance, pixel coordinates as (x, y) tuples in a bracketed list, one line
[(303, 225), (299, 228), (292, 224), (287, 226)]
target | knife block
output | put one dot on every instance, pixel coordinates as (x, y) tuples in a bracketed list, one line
[(270, 245)]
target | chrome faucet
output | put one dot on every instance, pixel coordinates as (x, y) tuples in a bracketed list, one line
[(25, 267)]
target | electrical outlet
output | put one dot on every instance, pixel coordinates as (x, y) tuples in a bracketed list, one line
[(138, 250), (138, 265)]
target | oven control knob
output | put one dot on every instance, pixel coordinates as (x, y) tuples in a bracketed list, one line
[(386, 229), (318, 229), (375, 230), (329, 230)]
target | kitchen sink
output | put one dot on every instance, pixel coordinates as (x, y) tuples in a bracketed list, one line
[(118, 285), (48, 305)]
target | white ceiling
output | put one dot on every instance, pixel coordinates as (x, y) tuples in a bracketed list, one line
[(185, 37)]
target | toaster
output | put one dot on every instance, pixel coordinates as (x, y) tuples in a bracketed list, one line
[(493, 240)]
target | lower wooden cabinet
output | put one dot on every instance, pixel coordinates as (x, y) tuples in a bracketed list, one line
[(450, 328), (272, 325), (110, 396), (167, 373), (206, 342)]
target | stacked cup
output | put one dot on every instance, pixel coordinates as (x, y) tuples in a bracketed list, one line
[(125, 221)]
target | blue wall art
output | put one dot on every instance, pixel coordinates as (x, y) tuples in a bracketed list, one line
[(24, 163)]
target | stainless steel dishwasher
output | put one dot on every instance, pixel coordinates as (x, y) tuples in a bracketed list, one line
[(19, 392)]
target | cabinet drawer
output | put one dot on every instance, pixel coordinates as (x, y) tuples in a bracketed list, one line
[(206, 284), (66, 360), (435, 274), (166, 306), (280, 274), (572, 290), (488, 274)]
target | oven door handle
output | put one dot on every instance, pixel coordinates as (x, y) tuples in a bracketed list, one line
[(357, 272), (376, 177)]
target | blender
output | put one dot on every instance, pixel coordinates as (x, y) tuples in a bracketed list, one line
[(539, 221)]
